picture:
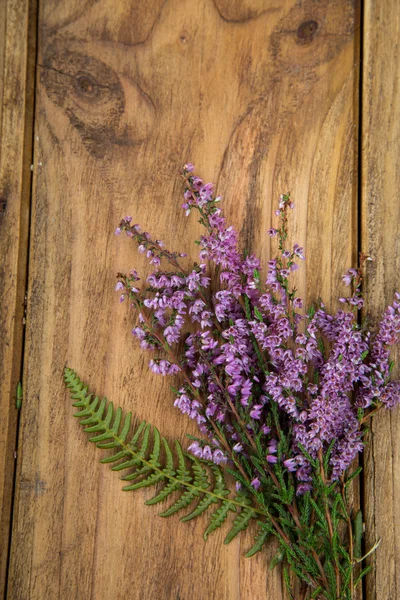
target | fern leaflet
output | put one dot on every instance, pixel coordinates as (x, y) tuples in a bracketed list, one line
[(194, 483)]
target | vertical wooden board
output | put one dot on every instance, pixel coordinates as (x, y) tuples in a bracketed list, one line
[(260, 95), (3, 12), (16, 113), (381, 239)]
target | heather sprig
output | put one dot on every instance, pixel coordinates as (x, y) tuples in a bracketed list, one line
[(280, 394), (253, 348)]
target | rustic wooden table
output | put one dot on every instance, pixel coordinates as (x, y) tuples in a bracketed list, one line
[(107, 99)]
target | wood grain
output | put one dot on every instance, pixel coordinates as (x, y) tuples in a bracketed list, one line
[(381, 239), (17, 58), (262, 96)]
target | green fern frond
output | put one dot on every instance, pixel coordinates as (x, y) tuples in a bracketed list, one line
[(150, 461)]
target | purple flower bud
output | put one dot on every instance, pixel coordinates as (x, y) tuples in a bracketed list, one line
[(119, 286), (256, 483), (272, 232), (118, 231), (272, 459)]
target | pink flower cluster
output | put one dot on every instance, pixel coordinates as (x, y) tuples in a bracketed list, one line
[(254, 369)]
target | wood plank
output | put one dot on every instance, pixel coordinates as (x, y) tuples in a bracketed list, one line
[(381, 239), (3, 12), (17, 52), (260, 95)]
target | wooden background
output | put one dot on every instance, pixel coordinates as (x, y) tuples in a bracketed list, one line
[(107, 99)]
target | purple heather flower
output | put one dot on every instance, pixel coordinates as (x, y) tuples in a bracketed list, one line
[(207, 453), (219, 457), (349, 276), (298, 303), (222, 356), (290, 464), (255, 412), (163, 367), (237, 447), (299, 252), (195, 449), (303, 488)]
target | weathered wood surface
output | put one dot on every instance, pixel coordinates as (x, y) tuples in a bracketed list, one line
[(263, 96), (381, 239), (17, 58)]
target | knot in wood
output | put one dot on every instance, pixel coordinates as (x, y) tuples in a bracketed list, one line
[(85, 85), (306, 31)]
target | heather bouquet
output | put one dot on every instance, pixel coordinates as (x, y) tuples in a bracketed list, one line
[(281, 396)]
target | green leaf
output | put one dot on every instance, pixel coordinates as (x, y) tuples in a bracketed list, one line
[(194, 483), (288, 585), (353, 476), (258, 315), (240, 524), (278, 558), (172, 486), (201, 507), (260, 539), (358, 534), (219, 517), (361, 575), (18, 396)]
